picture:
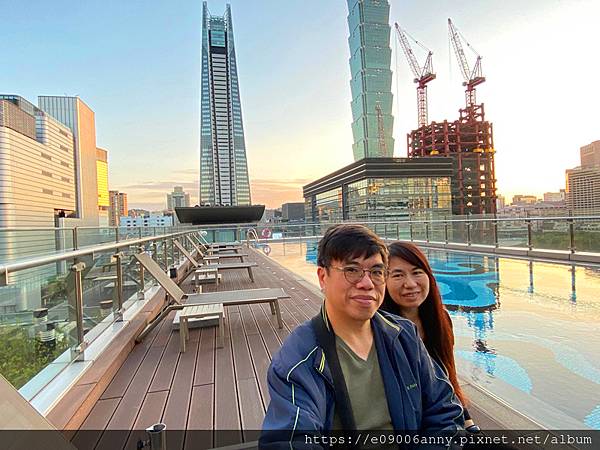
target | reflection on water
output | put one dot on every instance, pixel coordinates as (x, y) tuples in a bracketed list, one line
[(529, 332)]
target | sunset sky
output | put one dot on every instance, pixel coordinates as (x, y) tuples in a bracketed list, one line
[(137, 65)]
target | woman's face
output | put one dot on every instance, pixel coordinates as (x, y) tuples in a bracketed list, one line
[(408, 285)]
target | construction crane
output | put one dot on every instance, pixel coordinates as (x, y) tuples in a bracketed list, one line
[(380, 131), (423, 75), (472, 78)]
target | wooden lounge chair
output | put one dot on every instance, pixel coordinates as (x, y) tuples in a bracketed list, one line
[(214, 261), (217, 247), (207, 255), (240, 297)]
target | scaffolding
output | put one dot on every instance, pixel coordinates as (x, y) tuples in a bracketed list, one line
[(469, 141)]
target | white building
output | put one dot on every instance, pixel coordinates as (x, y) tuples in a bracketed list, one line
[(37, 172), (146, 221)]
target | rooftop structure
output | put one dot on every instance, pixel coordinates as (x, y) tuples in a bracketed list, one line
[(382, 189), (223, 164)]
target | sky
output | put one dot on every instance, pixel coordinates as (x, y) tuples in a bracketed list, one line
[(136, 63)]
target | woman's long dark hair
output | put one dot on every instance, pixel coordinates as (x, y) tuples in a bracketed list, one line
[(439, 338)]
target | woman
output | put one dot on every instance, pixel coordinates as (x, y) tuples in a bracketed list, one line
[(412, 293)]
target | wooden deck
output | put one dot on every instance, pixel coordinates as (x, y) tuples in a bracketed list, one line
[(205, 388)]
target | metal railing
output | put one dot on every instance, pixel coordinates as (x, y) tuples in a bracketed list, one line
[(64, 292), (574, 235)]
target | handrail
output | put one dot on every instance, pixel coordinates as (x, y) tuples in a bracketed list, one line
[(6, 269), (249, 232)]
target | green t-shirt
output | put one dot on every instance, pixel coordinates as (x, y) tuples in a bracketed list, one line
[(365, 389)]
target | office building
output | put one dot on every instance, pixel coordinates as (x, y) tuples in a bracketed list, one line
[(117, 207), (583, 190), (371, 82), (177, 198), (102, 178), (80, 119), (382, 189), (292, 212), (590, 155), (37, 187), (223, 165)]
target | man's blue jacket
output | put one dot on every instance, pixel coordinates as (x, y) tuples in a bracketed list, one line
[(419, 395)]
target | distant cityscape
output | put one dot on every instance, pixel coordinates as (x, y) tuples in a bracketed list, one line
[(53, 174)]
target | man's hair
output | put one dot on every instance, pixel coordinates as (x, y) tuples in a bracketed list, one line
[(345, 242)]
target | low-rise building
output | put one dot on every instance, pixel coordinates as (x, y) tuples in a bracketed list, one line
[(147, 221)]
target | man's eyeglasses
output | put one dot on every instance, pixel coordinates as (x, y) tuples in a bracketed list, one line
[(353, 275)]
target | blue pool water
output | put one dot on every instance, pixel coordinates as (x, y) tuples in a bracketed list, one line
[(528, 332)]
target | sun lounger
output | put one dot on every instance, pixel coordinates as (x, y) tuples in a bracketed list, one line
[(221, 266), (240, 297), (217, 246), (207, 255)]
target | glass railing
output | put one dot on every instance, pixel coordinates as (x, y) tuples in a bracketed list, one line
[(577, 234), (53, 305)]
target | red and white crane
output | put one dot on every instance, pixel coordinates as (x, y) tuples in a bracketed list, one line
[(423, 75), (473, 77)]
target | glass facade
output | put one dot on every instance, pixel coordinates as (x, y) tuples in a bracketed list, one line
[(371, 83), (223, 164), (380, 199)]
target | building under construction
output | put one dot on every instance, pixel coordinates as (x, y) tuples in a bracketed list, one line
[(469, 141)]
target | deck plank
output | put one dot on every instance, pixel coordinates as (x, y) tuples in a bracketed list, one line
[(178, 401), (200, 421), (150, 413), (205, 361), (226, 396), (92, 428)]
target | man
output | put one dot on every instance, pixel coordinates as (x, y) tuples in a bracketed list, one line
[(352, 368)]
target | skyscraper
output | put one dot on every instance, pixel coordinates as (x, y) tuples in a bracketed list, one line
[(223, 165), (177, 198), (371, 83)]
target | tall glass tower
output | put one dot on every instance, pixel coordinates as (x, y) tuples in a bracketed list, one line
[(223, 164), (371, 83)]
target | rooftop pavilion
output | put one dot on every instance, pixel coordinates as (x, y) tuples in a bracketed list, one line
[(91, 368)]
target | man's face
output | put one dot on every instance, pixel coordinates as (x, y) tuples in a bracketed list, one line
[(352, 301)]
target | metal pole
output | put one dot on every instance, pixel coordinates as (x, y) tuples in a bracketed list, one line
[(427, 231), (495, 230), (397, 231), (468, 232), (283, 236), (75, 239), (571, 235), (529, 238), (410, 229), (117, 234), (140, 294), (445, 232), (119, 287), (165, 254), (77, 353)]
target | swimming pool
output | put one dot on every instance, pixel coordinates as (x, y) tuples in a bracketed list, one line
[(528, 332)]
